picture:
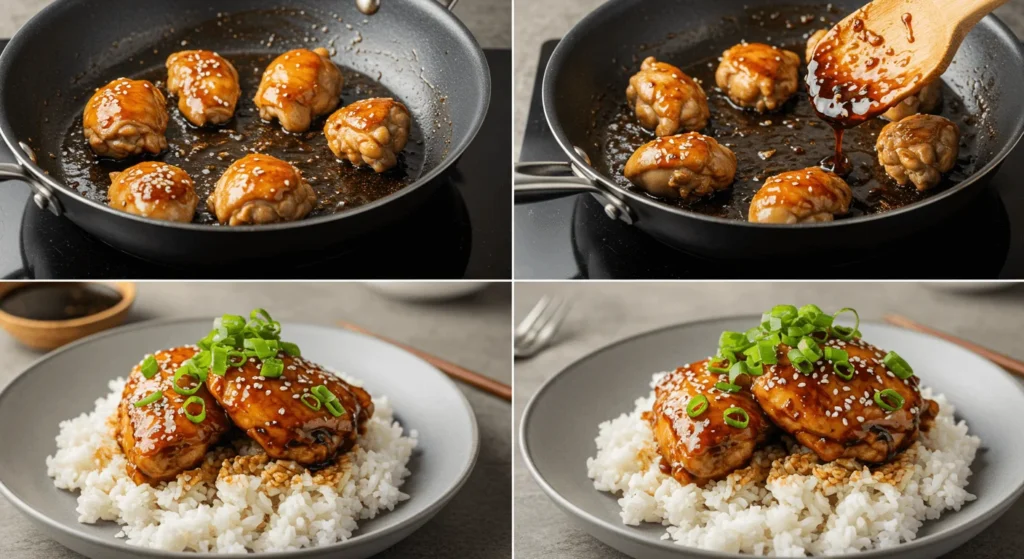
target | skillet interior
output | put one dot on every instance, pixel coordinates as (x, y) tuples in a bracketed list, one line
[(588, 82), (425, 68)]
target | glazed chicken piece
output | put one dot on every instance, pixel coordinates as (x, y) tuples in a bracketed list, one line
[(918, 149), (687, 166), (155, 190), (158, 440), (369, 132), (667, 100), (259, 189), (924, 101), (126, 118), (758, 76), (805, 196), (839, 418), (703, 448), (273, 413), (206, 85), (299, 86)]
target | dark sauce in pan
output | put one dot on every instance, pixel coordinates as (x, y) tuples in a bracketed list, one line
[(765, 145), (59, 301), (205, 153)]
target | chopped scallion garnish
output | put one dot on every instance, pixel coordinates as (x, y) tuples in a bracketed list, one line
[(697, 405), (153, 397), (149, 366), (198, 417), (736, 417), (889, 399)]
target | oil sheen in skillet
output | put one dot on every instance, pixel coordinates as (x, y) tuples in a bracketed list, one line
[(205, 153), (765, 145)]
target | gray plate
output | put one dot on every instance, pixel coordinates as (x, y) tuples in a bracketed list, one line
[(560, 423), (67, 382)]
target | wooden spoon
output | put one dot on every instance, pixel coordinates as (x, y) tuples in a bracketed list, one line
[(885, 52)]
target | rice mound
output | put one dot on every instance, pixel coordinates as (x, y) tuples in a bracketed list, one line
[(786, 502), (239, 500)]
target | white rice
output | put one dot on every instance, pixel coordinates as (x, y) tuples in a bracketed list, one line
[(238, 512), (792, 512)]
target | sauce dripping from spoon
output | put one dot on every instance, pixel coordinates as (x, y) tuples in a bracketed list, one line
[(908, 22)]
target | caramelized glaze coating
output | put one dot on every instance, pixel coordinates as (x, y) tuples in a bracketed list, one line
[(919, 149), (259, 189), (839, 418), (758, 76), (158, 440), (687, 166), (299, 86), (155, 190), (703, 448), (126, 118), (808, 195), (206, 85), (270, 410), (369, 132), (666, 100), (813, 41)]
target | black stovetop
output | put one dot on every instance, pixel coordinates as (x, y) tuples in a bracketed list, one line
[(571, 238), (463, 231)]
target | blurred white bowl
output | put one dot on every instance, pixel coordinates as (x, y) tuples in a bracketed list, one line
[(426, 292)]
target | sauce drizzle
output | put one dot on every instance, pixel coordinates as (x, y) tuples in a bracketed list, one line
[(908, 20)]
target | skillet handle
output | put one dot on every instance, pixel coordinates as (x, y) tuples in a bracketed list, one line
[(540, 181), (448, 4), (370, 7), (41, 195)]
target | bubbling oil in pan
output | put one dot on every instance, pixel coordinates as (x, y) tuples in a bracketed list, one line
[(205, 153), (765, 145)]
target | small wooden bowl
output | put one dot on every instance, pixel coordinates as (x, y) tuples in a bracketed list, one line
[(51, 334)]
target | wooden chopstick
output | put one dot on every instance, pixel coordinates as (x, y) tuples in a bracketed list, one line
[(1010, 364), (477, 380)]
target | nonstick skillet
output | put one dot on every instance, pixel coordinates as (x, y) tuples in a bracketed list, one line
[(414, 48), (591, 66)]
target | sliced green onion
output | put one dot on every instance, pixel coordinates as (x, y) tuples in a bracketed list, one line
[(149, 366), (885, 396), (194, 418), (741, 420), (766, 349), (323, 393), (771, 323), (730, 339), (219, 360), (153, 397), (737, 370), (845, 333), (697, 405), (719, 365), (310, 400), (809, 347), (272, 368), (799, 362), (237, 359), (898, 365), (186, 368), (810, 311), (207, 340), (291, 349), (194, 368), (755, 369), (265, 349), (835, 354), (820, 334), (791, 341), (753, 355), (202, 359), (784, 312), (728, 387), (823, 321), (844, 370), (800, 327), (231, 322), (334, 407), (260, 314), (754, 334)]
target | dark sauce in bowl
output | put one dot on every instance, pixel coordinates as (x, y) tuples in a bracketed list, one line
[(789, 139), (205, 153), (59, 301)]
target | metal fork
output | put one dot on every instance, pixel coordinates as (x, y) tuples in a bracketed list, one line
[(535, 332)]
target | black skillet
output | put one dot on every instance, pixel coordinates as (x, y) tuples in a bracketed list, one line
[(415, 49), (586, 76)]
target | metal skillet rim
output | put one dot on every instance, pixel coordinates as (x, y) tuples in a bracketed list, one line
[(454, 152), (548, 97), (636, 537), (108, 543)]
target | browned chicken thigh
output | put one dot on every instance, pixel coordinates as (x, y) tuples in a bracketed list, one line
[(369, 132), (274, 412), (125, 118), (705, 447), (758, 76), (158, 439), (919, 149), (839, 418), (299, 86), (206, 85), (259, 189), (667, 100), (155, 190), (687, 166), (807, 195)]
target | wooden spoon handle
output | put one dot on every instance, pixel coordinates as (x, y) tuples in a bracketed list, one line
[(477, 380), (1010, 364)]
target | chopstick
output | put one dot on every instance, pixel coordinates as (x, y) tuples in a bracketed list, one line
[(1006, 362), (477, 380)]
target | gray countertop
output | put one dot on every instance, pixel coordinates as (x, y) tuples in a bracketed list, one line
[(537, 21), (489, 20), (472, 332), (605, 312)]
